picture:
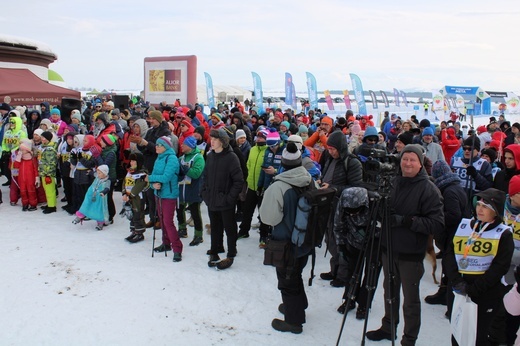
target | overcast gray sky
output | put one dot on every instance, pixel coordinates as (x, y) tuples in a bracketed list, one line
[(400, 44)]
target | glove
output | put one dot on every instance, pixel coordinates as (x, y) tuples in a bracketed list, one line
[(461, 288), (37, 182), (95, 150), (184, 169), (517, 278), (472, 171), (260, 191), (80, 156), (397, 220), (73, 155), (48, 180)]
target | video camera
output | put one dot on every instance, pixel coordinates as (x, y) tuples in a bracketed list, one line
[(379, 161)]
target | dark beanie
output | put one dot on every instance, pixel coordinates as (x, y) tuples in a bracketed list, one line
[(291, 156), (406, 138), (222, 135), (416, 149), (200, 130), (47, 135), (424, 123), (469, 142), (491, 152)]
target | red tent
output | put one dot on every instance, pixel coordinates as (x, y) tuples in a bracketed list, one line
[(22, 87)]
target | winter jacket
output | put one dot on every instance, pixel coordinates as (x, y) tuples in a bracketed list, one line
[(419, 199), (503, 177), (109, 158), (151, 136), (48, 162), (33, 124), (270, 159), (433, 151), (182, 136), (166, 171), (317, 143), (47, 113), (449, 143), (280, 201), (95, 206), (254, 165), (222, 180), (12, 137), (482, 181), (191, 168)]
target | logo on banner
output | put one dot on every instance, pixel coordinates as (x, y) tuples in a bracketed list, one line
[(165, 80), (437, 99)]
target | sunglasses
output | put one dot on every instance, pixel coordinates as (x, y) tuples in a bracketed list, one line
[(371, 140), (466, 148)]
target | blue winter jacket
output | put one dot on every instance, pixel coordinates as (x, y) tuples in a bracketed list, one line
[(166, 172)]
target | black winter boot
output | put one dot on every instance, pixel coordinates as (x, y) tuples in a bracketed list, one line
[(438, 298), (283, 326)]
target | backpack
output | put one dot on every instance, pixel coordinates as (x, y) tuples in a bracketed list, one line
[(312, 215)]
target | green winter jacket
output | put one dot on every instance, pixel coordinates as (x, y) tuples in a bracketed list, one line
[(48, 161), (12, 137), (254, 165)]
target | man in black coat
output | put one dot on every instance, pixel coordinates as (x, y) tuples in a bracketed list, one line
[(222, 183)]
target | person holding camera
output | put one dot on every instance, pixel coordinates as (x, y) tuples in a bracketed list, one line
[(417, 212)]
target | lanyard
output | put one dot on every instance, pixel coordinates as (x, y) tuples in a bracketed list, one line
[(474, 236)]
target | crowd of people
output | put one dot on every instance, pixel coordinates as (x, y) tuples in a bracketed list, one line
[(461, 189)]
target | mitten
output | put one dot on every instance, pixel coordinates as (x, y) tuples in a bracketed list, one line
[(48, 180), (472, 171)]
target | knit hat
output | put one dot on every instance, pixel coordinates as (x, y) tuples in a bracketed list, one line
[(88, 142), (424, 123), (286, 124), (55, 111), (273, 138), (406, 138), (156, 115), (356, 128), (5, 107), (303, 129), (116, 112), (327, 120), (103, 168), (428, 131), (240, 134), (47, 135), (262, 133), (440, 168), (481, 129), (75, 114), (26, 144), (416, 149), (108, 139), (291, 156), (190, 142), (222, 135), (38, 132), (468, 142), (296, 140), (492, 153), (138, 158), (217, 116), (370, 131), (200, 130), (514, 185), (165, 141), (110, 103)]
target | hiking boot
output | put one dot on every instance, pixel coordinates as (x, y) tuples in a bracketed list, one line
[(343, 306), (337, 283), (242, 235), (225, 263), (327, 276), (130, 236), (283, 326), (196, 241), (162, 248), (378, 335), (213, 260), (177, 257), (25, 208), (137, 238), (100, 225), (219, 250), (183, 233), (360, 313), (149, 224), (263, 243), (281, 309), (31, 208), (49, 210), (77, 220), (438, 298), (158, 225)]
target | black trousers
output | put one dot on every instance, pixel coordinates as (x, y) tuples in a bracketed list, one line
[(220, 221), (110, 200), (248, 210), (68, 185), (290, 284), (194, 209)]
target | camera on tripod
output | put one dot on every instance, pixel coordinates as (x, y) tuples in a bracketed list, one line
[(379, 161)]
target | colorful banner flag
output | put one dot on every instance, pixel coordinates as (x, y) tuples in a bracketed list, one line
[(396, 97), (437, 101), (293, 98), (513, 103), (209, 90), (289, 89), (312, 90), (328, 99), (403, 96), (359, 94), (385, 98), (374, 99), (346, 99), (259, 97)]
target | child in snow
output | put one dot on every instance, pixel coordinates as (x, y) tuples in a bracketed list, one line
[(95, 204), (47, 171), (64, 150), (133, 187), (28, 178)]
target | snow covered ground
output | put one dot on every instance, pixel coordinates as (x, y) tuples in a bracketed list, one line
[(65, 284)]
